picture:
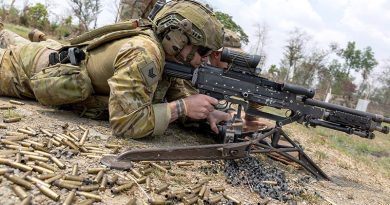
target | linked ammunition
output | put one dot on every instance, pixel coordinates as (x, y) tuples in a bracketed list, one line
[(217, 189), (37, 181), (96, 170), (124, 187), (62, 184), (234, 200), (46, 176), (28, 132), (162, 188), (54, 178), (69, 199), (48, 192), (57, 162), (215, 199), (89, 188), (75, 169), (41, 170), (12, 119), (84, 137), (16, 102), (19, 191), (26, 201), (159, 167), (47, 133), (19, 181), (89, 195)]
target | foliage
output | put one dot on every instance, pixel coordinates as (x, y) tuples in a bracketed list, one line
[(228, 23), (37, 16), (86, 12)]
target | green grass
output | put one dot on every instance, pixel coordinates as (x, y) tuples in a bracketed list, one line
[(20, 30)]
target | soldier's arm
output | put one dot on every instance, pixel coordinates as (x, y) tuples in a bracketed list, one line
[(138, 68)]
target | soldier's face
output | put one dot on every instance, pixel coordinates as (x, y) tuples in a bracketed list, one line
[(215, 60), (197, 59)]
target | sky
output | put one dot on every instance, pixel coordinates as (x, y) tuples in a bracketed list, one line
[(326, 21)]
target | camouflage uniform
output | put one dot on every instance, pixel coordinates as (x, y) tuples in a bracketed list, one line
[(135, 9), (126, 65)]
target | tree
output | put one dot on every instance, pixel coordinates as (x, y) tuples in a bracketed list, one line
[(293, 52), (368, 62), (37, 16), (351, 56), (228, 23), (307, 70), (261, 41), (86, 12)]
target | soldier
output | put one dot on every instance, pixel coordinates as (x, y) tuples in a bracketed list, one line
[(124, 61), (135, 9)]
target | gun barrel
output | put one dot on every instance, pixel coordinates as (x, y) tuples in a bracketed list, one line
[(178, 70), (308, 92), (375, 117)]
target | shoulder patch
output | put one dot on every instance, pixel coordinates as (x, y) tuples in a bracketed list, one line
[(150, 73)]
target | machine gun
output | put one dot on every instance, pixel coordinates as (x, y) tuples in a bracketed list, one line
[(239, 84)]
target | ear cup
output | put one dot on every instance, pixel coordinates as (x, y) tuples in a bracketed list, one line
[(174, 41)]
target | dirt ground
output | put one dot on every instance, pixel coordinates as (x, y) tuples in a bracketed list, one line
[(352, 182)]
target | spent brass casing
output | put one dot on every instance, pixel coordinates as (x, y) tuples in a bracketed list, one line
[(202, 190), (77, 183), (82, 128), (36, 158), (35, 143), (5, 170), (57, 162), (43, 153), (26, 201), (136, 173), (123, 187), (192, 200), (19, 191), (18, 157), (73, 136), (25, 144), (24, 175), (234, 200), (206, 193), (3, 126), (46, 176), (5, 141), (74, 178), (6, 107), (69, 199), (41, 170), (75, 169), (48, 192), (217, 189), (146, 171), (37, 181), (89, 188), (86, 202), (61, 184), (132, 201), (19, 148), (16, 138), (215, 199), (54, 178), (158, 201), (184, 164), (112, 146), (159, 167), (29, 153), (99, 176), (39, 148), (103, 184), (19, 181), (16, 165), (175, 173), (16, 102), (148, 183), (47, 133), (141, 180), (96, 170), (162, 188), (89, 195), (55, 142), (27, 132), (113, 180), (84, 137), (12, 119)]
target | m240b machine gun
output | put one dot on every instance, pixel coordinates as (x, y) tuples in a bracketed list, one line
[(241, 85)]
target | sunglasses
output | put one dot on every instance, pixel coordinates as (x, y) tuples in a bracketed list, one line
[(203, 51)]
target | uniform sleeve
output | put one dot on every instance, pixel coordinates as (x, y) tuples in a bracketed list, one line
[(138, 67), (180, 89)]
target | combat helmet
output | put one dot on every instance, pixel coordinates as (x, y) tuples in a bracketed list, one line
[(183, 22), (231, 39)]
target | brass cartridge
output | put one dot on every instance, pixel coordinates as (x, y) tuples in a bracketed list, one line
[(202, 190), (89, 188), (159, 201), (74, 178), (234, 200), (12, 119), (89, 195), (26, 201), (69, 199), (123, 187), (84, 137), (192, 200), (19, 181), (27, 132), (162, 188), (36, 158), (54, 178), (217, 189), (57, 162), (77, 183), (16, 102), (99, 177), (41, 170), (96, 170), (75, 169), (61, 184), (103, 184), (215, 199), (159, 167), (37, 181), (46, 176), (47, 133), (48, 192), (19, 191), (5, 170)]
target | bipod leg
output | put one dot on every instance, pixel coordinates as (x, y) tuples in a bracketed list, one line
[(286, 149)]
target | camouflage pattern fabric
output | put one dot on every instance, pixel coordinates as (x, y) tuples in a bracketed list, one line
[(135, 9), (231, 39)]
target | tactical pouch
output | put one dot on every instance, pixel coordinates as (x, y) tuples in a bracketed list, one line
[(61, 84)]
